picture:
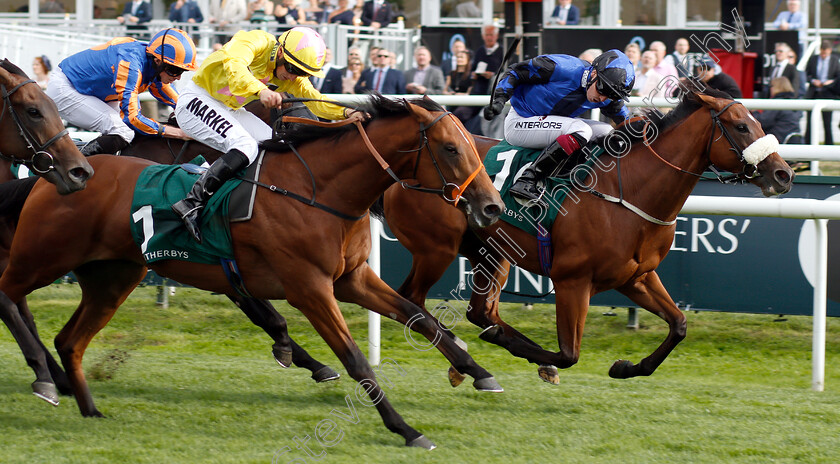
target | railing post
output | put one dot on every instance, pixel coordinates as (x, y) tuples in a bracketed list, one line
[(820, 300), (816, 127)]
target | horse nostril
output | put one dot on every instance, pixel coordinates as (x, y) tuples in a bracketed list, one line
[(492, 210), (783, 176), (81, 174)]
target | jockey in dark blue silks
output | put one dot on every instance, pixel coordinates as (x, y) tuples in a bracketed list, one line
[(546, 94)]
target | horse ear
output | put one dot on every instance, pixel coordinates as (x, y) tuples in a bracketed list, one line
[(419, 113), (6, 78), (711, 102)]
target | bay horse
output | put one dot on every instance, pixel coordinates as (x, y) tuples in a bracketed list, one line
[(597, 245), (288, 250)]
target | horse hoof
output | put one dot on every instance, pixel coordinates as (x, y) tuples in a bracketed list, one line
[(46, 391), (421, 442), (491, 333), (94, 413), (325, 374), (621, 369), (488, 384), (455, 377), (283, 358), (549, 374)]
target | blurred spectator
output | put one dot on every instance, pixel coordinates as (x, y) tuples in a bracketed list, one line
[(51, 6), (459, 81), (467, 9), (565, 14), (377, 13), (783, 68), (259, 10), (331, 82), (289, 12), (590, 54), (780, 123), (679, 58), (380, 77), (449, 59), (425, 79), (706, 71), (486, 61), (792, 19), (41, 67), (664, 68), (224, 13), (634, 54), (343, 14), (647, 79), (185, 11), (135, 14), (822, 71), (352, 74), (803, 81)]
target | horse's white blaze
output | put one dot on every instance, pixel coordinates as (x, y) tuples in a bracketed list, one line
[(760, 149)]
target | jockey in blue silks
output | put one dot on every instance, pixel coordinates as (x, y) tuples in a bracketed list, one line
[(546, 94)]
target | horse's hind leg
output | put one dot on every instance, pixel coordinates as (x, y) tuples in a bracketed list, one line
[(105, 285), (57, 373), (363, 287), (649, 293), (324, 314), (285, 350), (33, 351)]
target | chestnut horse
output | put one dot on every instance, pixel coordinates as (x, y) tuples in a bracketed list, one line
[(288, 250), (597, 245)]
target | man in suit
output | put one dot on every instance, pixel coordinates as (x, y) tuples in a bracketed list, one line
[(565, 14), (783, 68), (377, 13), (331, 82), (380, 77), (135, 14), (425, 79), (823, 73)]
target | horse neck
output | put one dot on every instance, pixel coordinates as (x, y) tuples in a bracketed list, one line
[(651, 184)]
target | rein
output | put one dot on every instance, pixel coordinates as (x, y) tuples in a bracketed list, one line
[(39, 151)]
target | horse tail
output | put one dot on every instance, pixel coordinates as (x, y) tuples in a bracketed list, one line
[(377, 210), (13, 194)]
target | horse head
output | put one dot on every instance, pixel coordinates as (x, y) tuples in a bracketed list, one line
[(32, 133), (454, 164), (738, 144)]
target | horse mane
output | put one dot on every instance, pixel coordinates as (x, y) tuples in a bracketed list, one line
[(12, 68), (376, 105), (689, 103)]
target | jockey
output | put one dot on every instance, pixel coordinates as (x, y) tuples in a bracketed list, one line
[(546, 94), (211, 105), (98, 89)]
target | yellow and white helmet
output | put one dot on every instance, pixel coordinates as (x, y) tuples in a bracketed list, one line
[(305, 49)]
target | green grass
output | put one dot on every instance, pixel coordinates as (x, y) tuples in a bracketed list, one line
[(197, 383)]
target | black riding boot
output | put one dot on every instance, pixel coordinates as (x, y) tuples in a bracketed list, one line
[(552, 157), (104, 144), (224, 168)]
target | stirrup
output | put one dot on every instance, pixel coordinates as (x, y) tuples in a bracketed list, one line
[(530, 202)]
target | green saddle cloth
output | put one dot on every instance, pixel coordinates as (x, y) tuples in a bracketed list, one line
[(161, 234), (505, 162)]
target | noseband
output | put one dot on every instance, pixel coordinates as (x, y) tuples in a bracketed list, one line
[(42, 161)]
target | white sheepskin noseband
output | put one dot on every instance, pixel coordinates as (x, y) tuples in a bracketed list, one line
[(760, 149)]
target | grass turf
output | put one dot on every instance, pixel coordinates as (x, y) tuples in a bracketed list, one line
[(196, 383)]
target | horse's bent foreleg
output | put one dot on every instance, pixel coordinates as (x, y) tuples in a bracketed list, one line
[(364, 288), (43, 387), (325, 316), (105, 285), (649, 293), (285, 350)]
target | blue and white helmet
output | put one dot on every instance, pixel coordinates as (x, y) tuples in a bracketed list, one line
[(615, 75)]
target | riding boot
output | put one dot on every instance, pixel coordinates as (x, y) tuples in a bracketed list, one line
[(552, 157), (224, 168), (104, 144)]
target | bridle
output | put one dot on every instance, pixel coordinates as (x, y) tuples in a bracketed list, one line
[(457, 190), (42, 161), (749, 170)]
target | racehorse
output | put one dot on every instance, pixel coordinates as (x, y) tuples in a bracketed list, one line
[(597, 245), (31, 133), (288, 250)]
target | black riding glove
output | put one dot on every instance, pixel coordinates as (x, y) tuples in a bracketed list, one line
[(493, 109)]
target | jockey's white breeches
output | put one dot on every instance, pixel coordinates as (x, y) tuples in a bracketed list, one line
[(540, 131)]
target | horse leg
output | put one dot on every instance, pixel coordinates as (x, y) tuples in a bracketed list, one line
[(285, 350), (43, 387), (57, 373), (649, 293), (105, 285), (363, 287), (325, 316)]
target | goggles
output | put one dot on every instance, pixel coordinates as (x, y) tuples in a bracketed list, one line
[(292, 69)]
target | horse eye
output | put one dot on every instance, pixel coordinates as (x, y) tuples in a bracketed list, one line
[(34, 113), (742, 128), (452, 149)]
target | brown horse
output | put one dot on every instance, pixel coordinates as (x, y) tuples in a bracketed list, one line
[(598, 245), (288, 249)]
